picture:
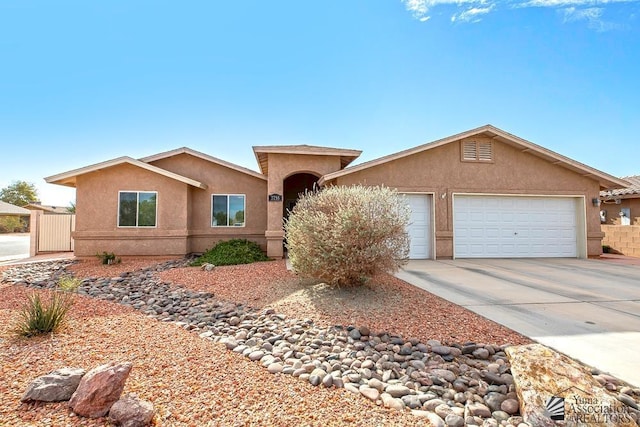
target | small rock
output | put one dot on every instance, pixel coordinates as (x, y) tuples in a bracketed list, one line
[(481, 353), (477, 409), (130, 411), (510, 406), (370, 393), (390, 402), (397, 390), (275, 368), (256, 355), (327, 381), (355, 334), (99, 389), (57, 386), (627, 400), (207, 267), (453, 420)]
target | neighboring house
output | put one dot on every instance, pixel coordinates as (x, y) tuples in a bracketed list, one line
[(480, 193), (620, 217), (8, 215), (622, 206), (47, 209)]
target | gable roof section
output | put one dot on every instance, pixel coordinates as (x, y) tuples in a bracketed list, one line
[(605, 180), (186, 150), (9, 209), (69, 178), (262, 153), (632, 191)]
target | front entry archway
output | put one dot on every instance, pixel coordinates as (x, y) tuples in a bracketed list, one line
[(293, 186)]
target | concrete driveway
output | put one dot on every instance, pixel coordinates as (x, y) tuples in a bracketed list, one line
[(587, 309), (14, 246)]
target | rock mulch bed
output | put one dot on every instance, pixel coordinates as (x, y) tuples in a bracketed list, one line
[(450, 385)]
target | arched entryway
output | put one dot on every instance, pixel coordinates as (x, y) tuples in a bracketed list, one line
[(293, 186)]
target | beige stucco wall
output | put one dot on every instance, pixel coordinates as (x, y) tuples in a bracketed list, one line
[(440, 171), (613, 211), (183, 211), (219, 180), (97, 213)]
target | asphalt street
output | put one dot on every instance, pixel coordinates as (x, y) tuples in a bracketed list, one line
[(14, 246)]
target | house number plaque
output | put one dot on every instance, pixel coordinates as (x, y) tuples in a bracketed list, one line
[(275, 197)]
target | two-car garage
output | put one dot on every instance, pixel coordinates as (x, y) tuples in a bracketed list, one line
[(502, 226)]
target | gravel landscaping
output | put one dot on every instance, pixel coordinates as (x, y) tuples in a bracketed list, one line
[(314, 355)]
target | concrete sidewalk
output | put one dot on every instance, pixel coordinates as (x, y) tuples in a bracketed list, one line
[(587, 309), (38, 258)]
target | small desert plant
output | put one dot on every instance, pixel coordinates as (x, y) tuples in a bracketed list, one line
[(69, 283), (344, 235), (108, 258), (39, 316), (232, 252)]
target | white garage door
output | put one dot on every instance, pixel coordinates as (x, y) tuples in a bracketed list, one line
[(419, 226), (514, 227)]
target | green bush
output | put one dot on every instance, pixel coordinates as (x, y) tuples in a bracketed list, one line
[(232, 252), (10, 224), (345, 235), (108, 258), (69, 284), (41, 317)]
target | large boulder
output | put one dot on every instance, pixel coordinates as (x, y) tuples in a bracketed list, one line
[(99, 389), (552, 387), (56, 386), (131, 411)]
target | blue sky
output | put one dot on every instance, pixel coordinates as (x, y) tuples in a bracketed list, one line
[(83, 82)]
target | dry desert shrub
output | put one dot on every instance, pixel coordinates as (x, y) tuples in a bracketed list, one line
[(345, 235)]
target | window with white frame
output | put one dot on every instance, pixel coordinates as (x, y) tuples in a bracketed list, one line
[(227, 210), (137, 208)]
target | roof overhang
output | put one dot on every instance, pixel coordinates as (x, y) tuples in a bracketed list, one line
[(605, 180), (69, 178), (631, 191), (7, 209), (194, 153), (262, 153)]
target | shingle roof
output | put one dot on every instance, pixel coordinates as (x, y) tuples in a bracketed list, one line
[(633, 189), (9, 209)]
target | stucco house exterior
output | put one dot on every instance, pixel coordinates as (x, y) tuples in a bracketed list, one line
[(620, 217), (479, 193), (622, 206)]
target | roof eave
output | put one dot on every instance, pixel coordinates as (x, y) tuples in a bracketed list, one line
[(186, 150), (69, 178)]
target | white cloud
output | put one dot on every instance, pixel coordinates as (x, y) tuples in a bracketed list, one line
[(469, 11), (572, 14), (420, 8), (565, 3), (472, 15)]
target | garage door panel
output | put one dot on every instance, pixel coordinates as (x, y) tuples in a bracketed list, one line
[(420, 226), (513, 226)]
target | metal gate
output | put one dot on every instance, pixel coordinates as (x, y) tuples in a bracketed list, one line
[(54, 232)]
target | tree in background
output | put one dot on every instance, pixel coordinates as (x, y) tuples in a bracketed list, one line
[(345, 235), (19, 193)]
